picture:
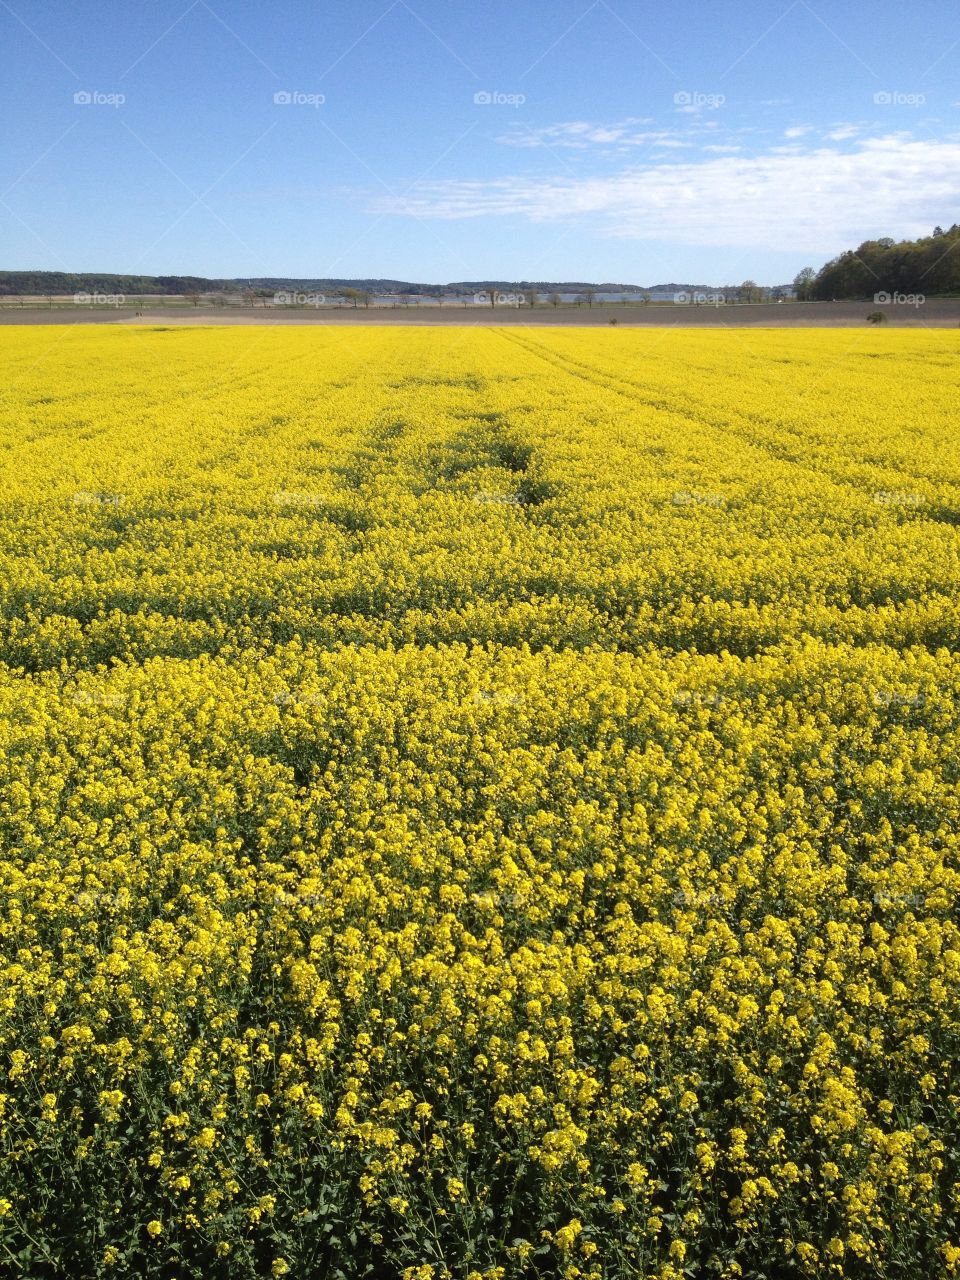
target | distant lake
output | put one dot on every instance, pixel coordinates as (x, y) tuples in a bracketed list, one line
[(386, 300)]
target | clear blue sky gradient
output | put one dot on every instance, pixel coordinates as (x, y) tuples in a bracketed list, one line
[(694, 141)]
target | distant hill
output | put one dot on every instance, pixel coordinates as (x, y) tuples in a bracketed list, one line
[(62, 282), (59, 283)]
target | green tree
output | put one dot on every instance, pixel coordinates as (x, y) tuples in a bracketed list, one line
[(803, 283)]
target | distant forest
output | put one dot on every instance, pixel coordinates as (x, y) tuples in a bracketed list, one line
[(60, 283), (929, 266)]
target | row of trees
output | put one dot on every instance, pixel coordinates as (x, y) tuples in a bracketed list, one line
[(749, 291), (930, 266)]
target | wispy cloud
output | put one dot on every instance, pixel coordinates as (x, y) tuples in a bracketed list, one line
[(816, 198), (843, 132), (634, 132), (580, 134)]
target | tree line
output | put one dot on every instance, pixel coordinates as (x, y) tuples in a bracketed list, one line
[(929, 266)]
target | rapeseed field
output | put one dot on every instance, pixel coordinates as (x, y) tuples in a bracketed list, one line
[(479, 804)]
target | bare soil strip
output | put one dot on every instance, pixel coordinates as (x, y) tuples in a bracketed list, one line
[(935, 313)]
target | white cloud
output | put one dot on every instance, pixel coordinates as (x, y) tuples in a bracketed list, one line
[(817, 199), (841, 132), (798, 131)]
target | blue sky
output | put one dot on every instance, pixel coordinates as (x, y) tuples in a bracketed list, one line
[(438, 140)]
